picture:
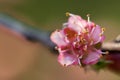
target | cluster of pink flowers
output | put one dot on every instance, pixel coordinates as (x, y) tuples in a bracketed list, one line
[(78, 42)]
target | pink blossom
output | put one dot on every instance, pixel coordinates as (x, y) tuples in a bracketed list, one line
[(78, 42)]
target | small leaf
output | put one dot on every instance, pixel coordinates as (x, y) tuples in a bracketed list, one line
[(101, 64)]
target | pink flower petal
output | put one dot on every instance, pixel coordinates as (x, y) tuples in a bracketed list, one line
[(95, 34), (77, 23), (90, 26), (92, 57), (102, 38), (67, 59), (58, 38)]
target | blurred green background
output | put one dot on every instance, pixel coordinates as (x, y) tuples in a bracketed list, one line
[(50, 15)]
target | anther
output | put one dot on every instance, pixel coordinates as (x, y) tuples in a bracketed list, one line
[(85, 48), (103, 29), (57, 30), (94, 25), (85, 31), (56, 47), (67, 14), (64, 65)]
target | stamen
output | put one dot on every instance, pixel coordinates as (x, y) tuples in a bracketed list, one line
[(56, 47), (65, 24), (85, 31), (103, 29), (57, 30), (82, 39), (66, 39), (85, 48), (79, 62), (107, 52), (67, 14), (88, 16), (91, 42)]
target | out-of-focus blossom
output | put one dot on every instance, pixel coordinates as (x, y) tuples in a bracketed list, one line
[(78, 42)]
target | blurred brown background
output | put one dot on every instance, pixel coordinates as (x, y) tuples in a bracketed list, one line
[(23, 60)]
